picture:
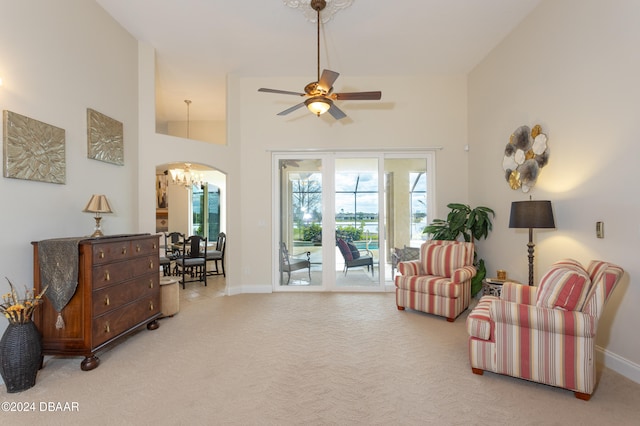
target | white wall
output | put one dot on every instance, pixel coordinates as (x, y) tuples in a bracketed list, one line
[(207, 131), (179, 209), (56, 60), (572, 66)]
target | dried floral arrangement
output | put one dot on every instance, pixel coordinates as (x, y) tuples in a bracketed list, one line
[(19, 310)]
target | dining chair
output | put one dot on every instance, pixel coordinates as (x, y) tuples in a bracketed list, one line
[(192, 260), (217, 255), (172, 250)]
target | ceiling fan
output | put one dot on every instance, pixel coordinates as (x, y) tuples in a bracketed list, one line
[(319, 94)]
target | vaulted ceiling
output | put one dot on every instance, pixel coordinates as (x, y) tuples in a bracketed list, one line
[(199, 42)]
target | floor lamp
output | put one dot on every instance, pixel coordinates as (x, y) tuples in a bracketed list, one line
[(531, 214)]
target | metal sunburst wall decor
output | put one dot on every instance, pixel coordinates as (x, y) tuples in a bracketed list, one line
[(104, 138), (526, 153), (33, 150)]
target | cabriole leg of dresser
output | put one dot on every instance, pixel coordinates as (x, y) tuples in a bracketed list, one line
[(90, 362)]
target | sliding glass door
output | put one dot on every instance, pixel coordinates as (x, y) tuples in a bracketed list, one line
[(408, 207), (300, 222), (357, 222), (343, 218)]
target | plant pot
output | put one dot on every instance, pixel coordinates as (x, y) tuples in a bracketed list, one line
[(20, 356)]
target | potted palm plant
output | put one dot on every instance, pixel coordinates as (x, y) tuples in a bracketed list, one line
[(472, 224)]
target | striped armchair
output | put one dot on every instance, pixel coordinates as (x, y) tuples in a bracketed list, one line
[(544, 334), (439, 282)]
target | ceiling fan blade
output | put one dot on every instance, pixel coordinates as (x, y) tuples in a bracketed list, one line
[(357, 96), (282, 92), (293, 108), (327, 79), (336, 112)]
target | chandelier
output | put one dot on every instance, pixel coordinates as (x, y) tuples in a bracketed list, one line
[(332, 6), (186, 176)]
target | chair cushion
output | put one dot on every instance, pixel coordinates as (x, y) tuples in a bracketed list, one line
[(430, 284), (596, 270), (361, 261), (214, 254), (570, 263), (344, 249), (190, 261), (355, 253), (442, 260), (565, 287)]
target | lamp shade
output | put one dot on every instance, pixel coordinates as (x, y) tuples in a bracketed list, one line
[(318, 104), (98, 204), (531, 214)]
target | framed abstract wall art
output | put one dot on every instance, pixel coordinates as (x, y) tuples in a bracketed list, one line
[(33, 150), (524, 156), (104, 138)]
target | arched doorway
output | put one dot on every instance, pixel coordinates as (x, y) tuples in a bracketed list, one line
[(190, 199)]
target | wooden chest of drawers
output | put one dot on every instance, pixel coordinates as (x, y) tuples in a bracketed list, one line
[(118, 291)]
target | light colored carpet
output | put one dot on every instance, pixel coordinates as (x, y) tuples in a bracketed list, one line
[(305, 359)]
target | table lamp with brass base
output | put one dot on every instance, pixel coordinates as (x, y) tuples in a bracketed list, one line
[(98, 204)]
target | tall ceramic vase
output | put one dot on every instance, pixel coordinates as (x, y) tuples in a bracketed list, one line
[(20, 356)]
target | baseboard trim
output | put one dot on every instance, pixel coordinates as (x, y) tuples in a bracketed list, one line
[(620, 365), (251, 289)]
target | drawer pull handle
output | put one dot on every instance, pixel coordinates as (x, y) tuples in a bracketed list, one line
[(124, 250), (107, 277), (155, 246), (101, 255), (107, 302), (138, 248), (107, 329), (151, 264), (151, 306), (150, 283)]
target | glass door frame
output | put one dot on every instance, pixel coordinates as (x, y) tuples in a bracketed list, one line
[(328, 158), (277, 220), (379, 267)]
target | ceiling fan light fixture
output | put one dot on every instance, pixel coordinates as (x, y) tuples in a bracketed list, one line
[(319, 93), (318, 105)]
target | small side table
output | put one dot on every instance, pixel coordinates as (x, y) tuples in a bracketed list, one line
[(492, 287)]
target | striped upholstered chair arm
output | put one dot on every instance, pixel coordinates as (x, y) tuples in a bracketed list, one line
[(463, 274), (410, 268), (552, 321)]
